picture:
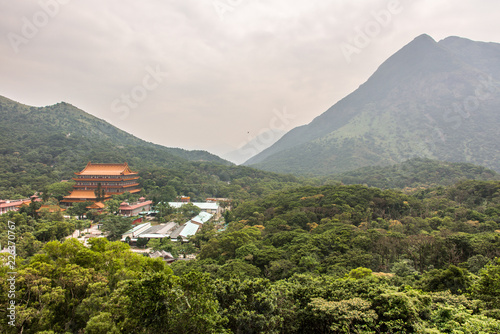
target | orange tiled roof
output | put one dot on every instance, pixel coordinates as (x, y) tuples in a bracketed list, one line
[(51, 208), (90, 194), (106, 169), (102, 179), (96, 205)]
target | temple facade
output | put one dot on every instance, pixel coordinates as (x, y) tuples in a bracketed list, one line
[(112, 179)]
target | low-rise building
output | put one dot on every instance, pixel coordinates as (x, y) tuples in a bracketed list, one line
[(135, 231), (14, 205), (134, 209), (159, 231), (185, 231), (166, 256), (201, 218), (209, 207), (146, 231)]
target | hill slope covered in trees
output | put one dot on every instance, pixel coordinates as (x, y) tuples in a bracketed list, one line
[(40, 146), (416, 172)]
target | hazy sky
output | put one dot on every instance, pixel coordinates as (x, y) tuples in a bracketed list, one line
[(214, 74)]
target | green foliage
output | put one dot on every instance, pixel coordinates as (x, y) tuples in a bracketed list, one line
[(487, 287), (416, 172), (249, 305), (189, 210), (346, 316), (115, 226), (59, 189), (79, 209), (101, 323), (239, 269), (453, 278), (403, 268), (164, 303)]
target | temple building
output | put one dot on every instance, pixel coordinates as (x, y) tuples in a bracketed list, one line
[(112, 179)]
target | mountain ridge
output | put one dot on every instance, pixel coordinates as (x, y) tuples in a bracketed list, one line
[(419, 84), (100, 128)]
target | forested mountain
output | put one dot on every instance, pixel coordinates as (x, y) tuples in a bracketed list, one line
[(19, 120), (438, 100), (40, 146), (417, 172)]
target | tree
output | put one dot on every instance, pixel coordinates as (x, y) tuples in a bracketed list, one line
[(79, 209), (31, 209), (360, 273), (250, 305), (141, 242), (115, 226), (81, 225), (238, 268), (346, 316), (189, 210), (99, 193), (164, 303), (453, 278), (59, 189), (28, 245), (163, 210), (101, 323), (487, 288)]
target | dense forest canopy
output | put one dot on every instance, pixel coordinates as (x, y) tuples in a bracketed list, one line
[(312, 259)]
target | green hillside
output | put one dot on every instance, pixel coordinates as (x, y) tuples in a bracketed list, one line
[(40, 146), (63, 118), (416, 172)]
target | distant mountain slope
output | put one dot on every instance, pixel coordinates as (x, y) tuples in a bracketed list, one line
[(416, 172), (71, 121), (41, 145), (433, 100)]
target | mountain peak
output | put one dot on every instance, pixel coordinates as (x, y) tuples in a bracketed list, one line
[(428, 99), (423, 38)]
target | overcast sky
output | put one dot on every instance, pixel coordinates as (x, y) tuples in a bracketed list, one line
[(213, 74)]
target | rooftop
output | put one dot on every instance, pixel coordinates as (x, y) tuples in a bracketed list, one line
[(202, 218), (201, 205), (51, 208), (127, 206), (12, 203), (160, 229), (137, 227), (106, 169), (90, 194), (96, 205), (162, 253), (185, 230)]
